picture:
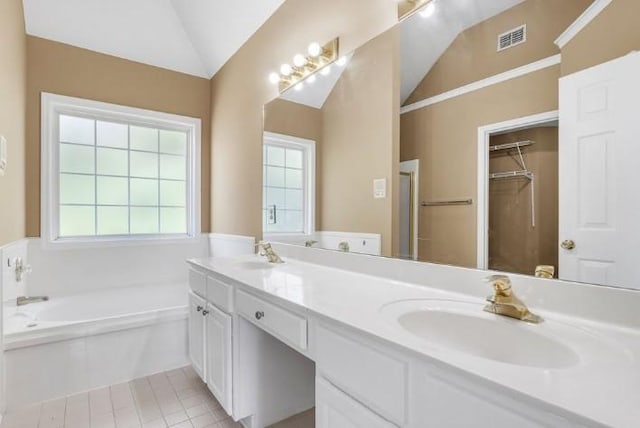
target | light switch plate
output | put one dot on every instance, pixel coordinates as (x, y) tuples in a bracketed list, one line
[(3, 155), (380, 188)]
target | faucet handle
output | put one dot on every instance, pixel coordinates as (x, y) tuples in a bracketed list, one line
[(501, 284)]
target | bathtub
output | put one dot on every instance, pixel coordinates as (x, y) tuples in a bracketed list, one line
[(76, 343)]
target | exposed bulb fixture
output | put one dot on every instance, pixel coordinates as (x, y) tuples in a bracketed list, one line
[(428, 10), (314, 49), (342, 61), (303, 67), (299, 60), (274, 78), (286, 70)]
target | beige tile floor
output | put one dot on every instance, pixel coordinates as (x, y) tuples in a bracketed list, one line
[(177, 399)]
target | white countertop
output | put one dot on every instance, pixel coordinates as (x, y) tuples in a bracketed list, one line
[(604, 386)]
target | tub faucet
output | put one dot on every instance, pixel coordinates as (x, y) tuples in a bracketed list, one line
[(23, 300), (267, 250), (310, 243), (505, 302)]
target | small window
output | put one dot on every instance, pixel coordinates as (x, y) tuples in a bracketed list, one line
[(288, 185), (117, 173)]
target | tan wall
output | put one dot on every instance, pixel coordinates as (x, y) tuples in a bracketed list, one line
[(614, 33), (66, 70), (240, 90), (289, 118), (444, 136), (361, 143), (473, 55), (514, 245), (13, 52)]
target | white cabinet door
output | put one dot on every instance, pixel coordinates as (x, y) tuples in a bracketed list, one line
[(335, 409), (599, 174), (219, 364), (196, 333)]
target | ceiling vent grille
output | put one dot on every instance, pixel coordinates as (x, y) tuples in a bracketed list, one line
[(512, 38)]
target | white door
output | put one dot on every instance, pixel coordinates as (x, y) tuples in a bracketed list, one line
[(335, 409), (599, 175), (219, 355), (196, 333)]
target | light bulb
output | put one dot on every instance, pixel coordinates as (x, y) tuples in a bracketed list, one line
[(314, 49), (342, 61), (299, 86), (299, 60), (286, 70), (429, 10), (274, 78), (326, 71), (311, 78)]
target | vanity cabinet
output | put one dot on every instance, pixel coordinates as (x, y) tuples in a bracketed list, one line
[(218, 355), (263, 358), (197, 333)]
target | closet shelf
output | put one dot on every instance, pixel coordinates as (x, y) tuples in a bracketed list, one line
[(512, 174), (510, 146)]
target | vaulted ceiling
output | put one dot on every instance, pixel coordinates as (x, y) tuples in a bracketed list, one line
[(424, 40), (195, 37)]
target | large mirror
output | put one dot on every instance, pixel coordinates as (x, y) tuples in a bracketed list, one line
[(492, 134)]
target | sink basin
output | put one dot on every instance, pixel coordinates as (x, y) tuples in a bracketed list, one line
[(464, 327), (255, 265)]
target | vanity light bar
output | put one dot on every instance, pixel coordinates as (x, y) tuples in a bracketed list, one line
[(304, 66)]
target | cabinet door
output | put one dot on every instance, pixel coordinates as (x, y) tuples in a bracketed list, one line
[(335, 409), (196, 333), (219, 355)]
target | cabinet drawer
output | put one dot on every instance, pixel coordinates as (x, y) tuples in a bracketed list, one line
[(281, 323), (371, 376), (220, 294), (198, 283)]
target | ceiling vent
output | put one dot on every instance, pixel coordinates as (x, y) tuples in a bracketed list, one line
[(512, 38)]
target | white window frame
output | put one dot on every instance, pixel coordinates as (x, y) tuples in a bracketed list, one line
[(309, 147), (52, 106)]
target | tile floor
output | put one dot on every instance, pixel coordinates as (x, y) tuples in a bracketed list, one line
[(177, 399)]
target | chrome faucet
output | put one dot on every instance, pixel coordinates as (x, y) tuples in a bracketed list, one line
[(310, 243), (267, 250), (344, 246), (21, 268), (505, 302), (23, 300)]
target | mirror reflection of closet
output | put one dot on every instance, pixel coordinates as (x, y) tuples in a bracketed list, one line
[(523, 199)]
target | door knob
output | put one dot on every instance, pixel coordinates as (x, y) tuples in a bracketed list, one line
[(199, 308), (568, 244), (259, 315)]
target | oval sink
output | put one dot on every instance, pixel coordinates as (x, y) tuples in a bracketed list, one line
[(464, 327)]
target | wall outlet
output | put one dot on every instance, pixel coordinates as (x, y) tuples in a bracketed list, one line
[(380, 188), (3, 155)]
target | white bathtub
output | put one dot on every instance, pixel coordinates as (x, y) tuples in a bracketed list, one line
[(76, 343)]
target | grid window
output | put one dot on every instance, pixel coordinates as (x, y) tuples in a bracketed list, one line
[(112, 175), (287, 186), (99, 166)]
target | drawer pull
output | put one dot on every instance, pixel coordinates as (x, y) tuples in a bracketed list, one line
[(259, 315), (205, 313), (199, 308)]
